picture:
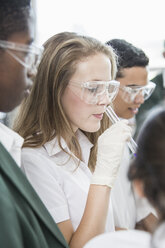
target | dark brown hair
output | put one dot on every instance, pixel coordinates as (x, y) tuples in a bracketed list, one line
[(13, 17), (149, 164)]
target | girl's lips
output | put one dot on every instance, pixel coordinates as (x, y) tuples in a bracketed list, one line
[(98, 116)]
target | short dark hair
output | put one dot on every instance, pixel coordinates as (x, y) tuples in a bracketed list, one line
[(149, 164), (128, 55), (13, 17)]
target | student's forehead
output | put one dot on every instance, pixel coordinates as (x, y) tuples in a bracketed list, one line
[(134, 76), (26, 36)]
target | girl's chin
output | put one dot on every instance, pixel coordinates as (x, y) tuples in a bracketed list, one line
[(127, 114), (92, 129)]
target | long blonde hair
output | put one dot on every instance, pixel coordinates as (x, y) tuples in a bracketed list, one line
[(41, 115)]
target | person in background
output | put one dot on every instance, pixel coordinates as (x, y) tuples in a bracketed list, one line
[(156, 99), (70, 154), (132, 73), (147, 173), (24, 220)]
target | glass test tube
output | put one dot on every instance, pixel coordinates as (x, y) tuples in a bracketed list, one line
[(114, 118)]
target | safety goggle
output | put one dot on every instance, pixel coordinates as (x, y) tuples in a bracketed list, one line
[(27, 55), (129, 93), (96, 91)]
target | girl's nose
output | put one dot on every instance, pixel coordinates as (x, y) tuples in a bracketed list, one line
[(104, 99)]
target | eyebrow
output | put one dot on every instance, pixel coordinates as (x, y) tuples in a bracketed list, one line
[(130, 85), (98, 80)]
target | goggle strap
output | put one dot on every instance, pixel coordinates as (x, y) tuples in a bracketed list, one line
[(21, 47), (18, 59)]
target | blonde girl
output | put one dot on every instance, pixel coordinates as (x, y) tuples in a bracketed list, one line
[(70, 168)]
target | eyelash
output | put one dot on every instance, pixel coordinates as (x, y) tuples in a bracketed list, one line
[(93, 90)]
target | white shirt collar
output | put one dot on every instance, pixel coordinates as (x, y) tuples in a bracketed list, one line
[(52, 147), (11, 141)]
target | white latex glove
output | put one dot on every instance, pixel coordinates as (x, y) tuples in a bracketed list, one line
[(110, 150)]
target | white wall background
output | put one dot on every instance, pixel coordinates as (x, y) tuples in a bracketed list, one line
[(141, 22)]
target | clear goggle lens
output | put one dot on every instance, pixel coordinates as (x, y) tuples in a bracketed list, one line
[(95, 92), (27, 55), (129, 94)]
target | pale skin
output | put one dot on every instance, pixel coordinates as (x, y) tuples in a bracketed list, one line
[(93, 68), (93, 220)]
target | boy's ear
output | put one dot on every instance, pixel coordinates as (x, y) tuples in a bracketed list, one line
[(139, 187)]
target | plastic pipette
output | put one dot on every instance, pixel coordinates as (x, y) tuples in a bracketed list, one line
[(114, 118)]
